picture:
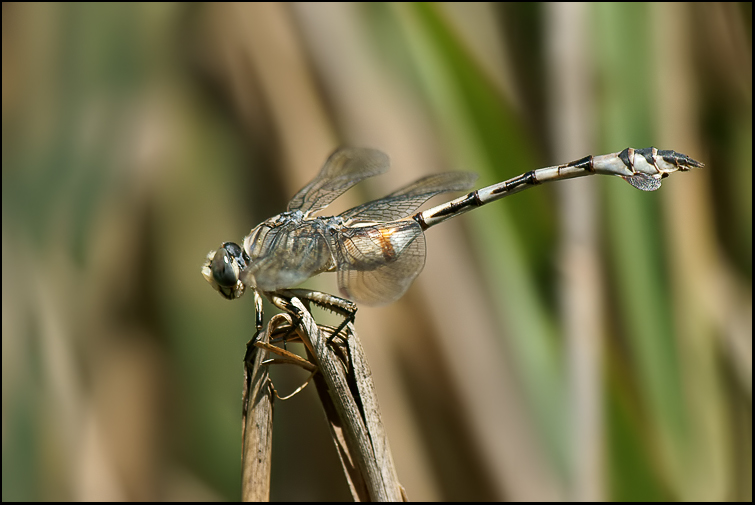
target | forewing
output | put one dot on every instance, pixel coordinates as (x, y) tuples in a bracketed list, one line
[(344, 168), (405, 201), (377, 264)]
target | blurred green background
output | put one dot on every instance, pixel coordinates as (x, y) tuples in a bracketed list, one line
[(579, 341)]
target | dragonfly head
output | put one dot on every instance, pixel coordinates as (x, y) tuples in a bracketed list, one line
[(222, 269)]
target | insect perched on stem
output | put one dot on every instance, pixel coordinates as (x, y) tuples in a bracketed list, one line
[(378, 248)]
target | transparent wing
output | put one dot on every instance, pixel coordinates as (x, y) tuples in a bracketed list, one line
[(405, 201), (344, 168), (377, 264)]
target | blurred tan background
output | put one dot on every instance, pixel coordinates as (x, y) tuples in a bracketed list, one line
[(581, 340)]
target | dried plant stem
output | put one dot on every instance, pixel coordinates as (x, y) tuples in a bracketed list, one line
[(257, 424), (358, 421)]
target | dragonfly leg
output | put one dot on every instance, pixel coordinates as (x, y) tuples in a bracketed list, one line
[(258, 314), (283, 302), (347, 320), (341, 306)]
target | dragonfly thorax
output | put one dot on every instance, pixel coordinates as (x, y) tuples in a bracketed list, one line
[(288, 249)]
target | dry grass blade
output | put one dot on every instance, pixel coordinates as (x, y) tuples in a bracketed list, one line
[(361, 427), (257, 423)]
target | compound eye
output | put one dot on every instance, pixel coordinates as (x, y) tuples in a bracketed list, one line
[(223, 270), (233, 248)]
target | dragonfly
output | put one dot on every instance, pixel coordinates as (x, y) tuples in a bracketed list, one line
[(377, 249)]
